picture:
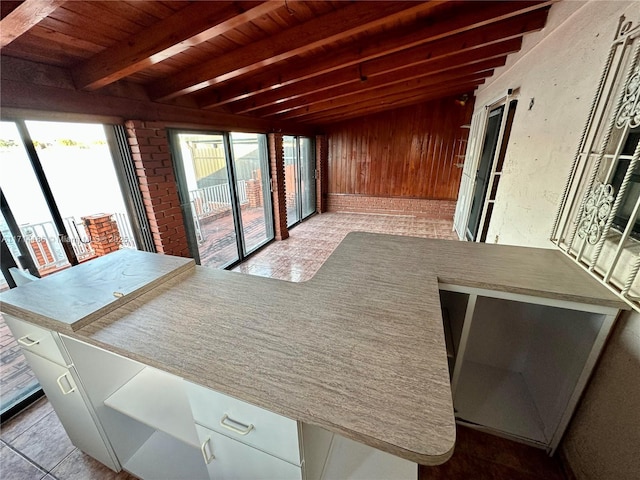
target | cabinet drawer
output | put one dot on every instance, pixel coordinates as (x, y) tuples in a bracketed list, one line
[(35, 339), (247, 423), (228, 459)]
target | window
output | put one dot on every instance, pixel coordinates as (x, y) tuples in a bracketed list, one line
[(597, 222), (632, 192)]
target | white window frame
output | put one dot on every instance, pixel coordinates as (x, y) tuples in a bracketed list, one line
[(477, 132), (583, 225)]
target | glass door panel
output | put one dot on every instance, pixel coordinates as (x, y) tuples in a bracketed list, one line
[(307, 177), (204, 188), (29, 207), (77, 162), (251, 168), (299, 177), (291, 179), (17, 381)]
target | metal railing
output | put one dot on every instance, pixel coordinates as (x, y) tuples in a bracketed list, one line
[(78, 237), (44, 244), (210, 200), (124, 227)]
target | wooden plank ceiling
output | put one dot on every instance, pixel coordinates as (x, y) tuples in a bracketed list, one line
[(313, 62)]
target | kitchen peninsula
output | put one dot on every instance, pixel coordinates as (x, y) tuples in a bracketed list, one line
[(370, 349)]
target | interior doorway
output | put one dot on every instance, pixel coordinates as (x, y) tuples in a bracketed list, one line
[(484, 170)]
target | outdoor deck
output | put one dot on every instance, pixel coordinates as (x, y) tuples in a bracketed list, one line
[(218, 247)]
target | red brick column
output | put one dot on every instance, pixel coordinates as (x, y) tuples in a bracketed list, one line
[(150, 150), (322, 161), (276, 159), (254, 193), (103, 233), (42, 252)]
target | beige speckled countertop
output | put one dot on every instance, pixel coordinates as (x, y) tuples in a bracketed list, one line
[(359, 349)]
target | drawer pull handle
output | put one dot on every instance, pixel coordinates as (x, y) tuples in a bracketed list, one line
[(228, 422), (203, 449), (71, 389), (27, 342)]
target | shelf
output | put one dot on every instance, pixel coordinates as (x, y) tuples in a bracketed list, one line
[(498, 399), (163, 457), (158, 400)]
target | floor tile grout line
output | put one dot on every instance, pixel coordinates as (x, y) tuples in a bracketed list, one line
[(61, 461), (33, 462), (20, 454), (23, 411)]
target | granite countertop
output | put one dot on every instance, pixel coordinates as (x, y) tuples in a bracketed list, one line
[(358, 349)]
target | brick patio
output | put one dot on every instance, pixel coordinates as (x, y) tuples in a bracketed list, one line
[(219, 245)]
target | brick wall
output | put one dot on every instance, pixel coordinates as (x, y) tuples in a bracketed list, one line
[(438, 209), (152, 159)]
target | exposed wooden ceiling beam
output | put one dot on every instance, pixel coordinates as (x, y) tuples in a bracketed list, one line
[(190, 26), (331, 27), (399, 89), (8, 6), (401, 64), (372, 107), (449, 72), (23, 17), (480, 16)]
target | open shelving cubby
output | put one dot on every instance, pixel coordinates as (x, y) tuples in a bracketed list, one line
[(520, 362), (162, 421), (158, 400)]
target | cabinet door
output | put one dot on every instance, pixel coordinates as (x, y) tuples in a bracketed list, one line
[(230, 459), (66, 400)]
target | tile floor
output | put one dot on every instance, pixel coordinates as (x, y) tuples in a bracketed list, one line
[(310, 243), (33, 445)]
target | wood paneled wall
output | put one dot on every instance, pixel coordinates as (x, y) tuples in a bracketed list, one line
[(408, 152)]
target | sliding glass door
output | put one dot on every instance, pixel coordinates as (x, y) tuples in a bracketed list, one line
[(299, 175), (223, 181), (307, 177), (251, 170), (56, 178)]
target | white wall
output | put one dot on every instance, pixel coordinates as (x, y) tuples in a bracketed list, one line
[(559, 69)]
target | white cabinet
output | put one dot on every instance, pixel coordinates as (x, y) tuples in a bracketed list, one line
[(61, 387), (35, 339), (260, 428), (521, 363), (150, 417), (229, 459), (145, 413), (61, 384)]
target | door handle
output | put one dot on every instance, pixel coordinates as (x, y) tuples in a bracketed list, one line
[(27, 342), (203, 449), (59, 382), (227, 422)]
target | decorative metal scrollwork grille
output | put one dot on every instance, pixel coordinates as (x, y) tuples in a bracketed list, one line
[(629, 114), (596, 211), (590, 224)]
